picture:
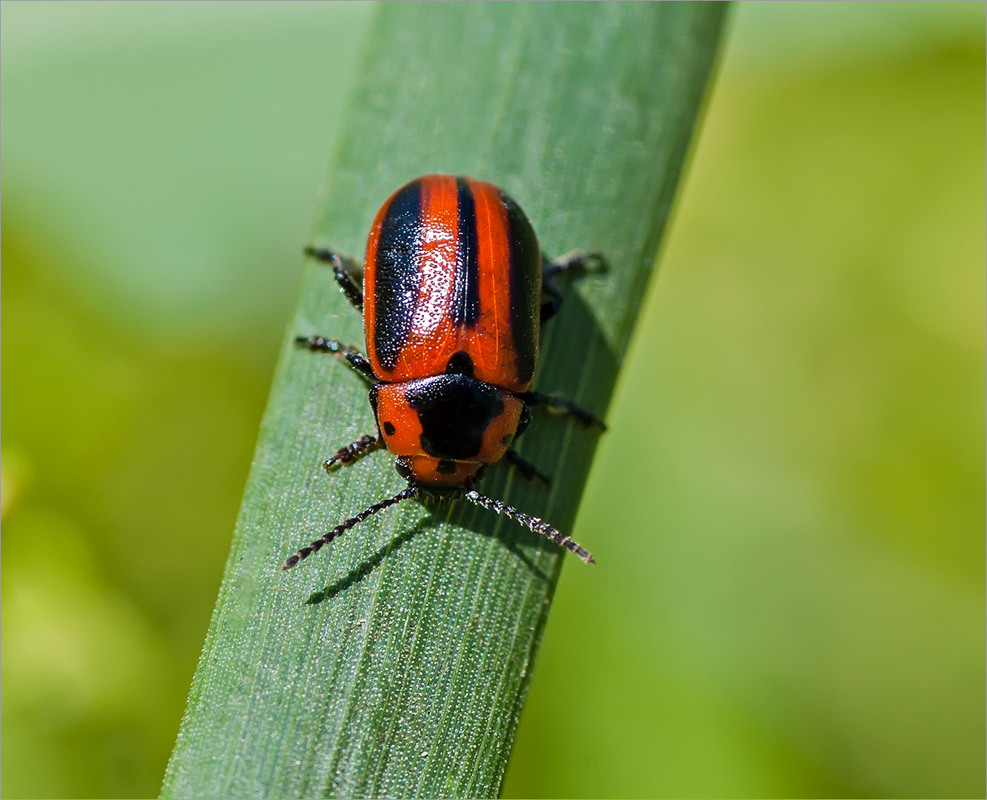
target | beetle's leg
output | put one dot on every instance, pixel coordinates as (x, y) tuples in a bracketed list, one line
[(557, 405), (347, 455), (531, 523), (343, 268), (572, 265), (350, 355), (526, 468)]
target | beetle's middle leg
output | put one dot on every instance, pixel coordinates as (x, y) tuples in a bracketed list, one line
[(349, 354), (558, 405)]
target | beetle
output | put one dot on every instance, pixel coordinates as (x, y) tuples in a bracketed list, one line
[(455, 288)]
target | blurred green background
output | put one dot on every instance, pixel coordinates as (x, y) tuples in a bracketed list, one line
[(788, 508)]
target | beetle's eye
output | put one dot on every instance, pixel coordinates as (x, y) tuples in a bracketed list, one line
[(403, 468)]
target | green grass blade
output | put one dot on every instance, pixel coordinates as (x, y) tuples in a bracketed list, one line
[(395, 662)]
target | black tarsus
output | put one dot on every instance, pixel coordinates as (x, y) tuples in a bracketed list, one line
[(342, 267)]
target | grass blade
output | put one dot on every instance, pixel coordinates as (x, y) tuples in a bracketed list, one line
[(395, 662)]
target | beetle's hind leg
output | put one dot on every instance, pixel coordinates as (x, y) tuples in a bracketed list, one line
[(348, 353), (571, 265), (344, 268)]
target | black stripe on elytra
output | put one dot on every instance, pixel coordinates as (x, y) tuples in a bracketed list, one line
[(466, 292), (398, 273), (525, 287)]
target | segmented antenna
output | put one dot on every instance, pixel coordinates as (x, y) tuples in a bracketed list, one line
[(532, 523), (323, 540)]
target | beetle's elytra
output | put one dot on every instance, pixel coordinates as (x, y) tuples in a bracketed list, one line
[(455, 288)]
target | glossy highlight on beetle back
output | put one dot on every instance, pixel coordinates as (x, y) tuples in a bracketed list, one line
[(452, 283)]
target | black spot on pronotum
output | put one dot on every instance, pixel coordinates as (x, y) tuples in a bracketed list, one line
[(388, 428), (446, 466), (454, 411)]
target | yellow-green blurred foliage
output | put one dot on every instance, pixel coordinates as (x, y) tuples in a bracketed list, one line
[(788, 509)]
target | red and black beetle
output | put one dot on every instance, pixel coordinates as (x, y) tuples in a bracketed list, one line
[(452, 305)]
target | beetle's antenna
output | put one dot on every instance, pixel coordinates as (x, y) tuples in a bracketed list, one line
[(323, 540), (532, 523)]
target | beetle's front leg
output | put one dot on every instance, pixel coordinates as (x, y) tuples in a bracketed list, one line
[(347, 455), (347, 353)]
